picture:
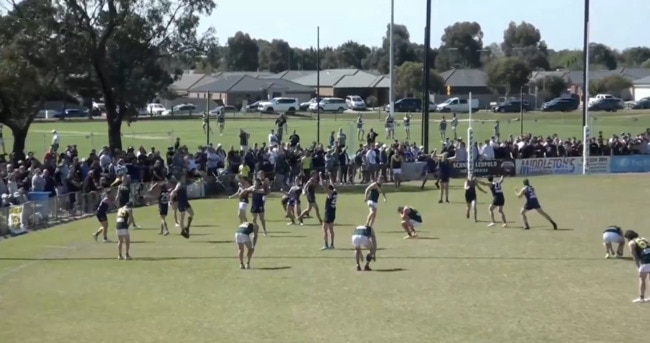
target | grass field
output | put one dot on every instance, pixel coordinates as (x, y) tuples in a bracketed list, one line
[(88, 135), (460, 282)]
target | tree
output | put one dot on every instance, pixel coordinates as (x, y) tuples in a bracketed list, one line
[(510, 73), (601, 54), (242, 53), (462, 44), (32, 47), (352, 54), (128, 47), (635, 57), (525, 41), (410, 80), (614, 84), (551, 86), (566, 59), (275, 56)]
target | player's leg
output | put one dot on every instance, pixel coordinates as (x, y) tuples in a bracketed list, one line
[(127, 244), (240, 251), (545, 215), (643, 276), (325, 236), (249, 252), (372, 207), (491, 210), (524, 218), (190, 217), (503, 216), (262, 221), (120, 243)]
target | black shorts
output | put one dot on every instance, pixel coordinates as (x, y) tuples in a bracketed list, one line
[(257, 208), (444, 178), (532, 205), (329, 218), (498, 200), (183, 206), (163, 209), (101, 217), (469, 197), (311, 198)]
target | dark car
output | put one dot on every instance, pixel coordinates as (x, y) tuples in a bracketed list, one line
[(642, 104), (71, 113), (512, 106), (406, 105), (561, 105), (608, 105)]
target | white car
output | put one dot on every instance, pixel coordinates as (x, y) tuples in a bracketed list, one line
[(355, 102), (329, 105), (288, 105), (182, 109), (155, 109)]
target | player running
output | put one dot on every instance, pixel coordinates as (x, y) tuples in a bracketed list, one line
[(163, 204), (371, 197), (293, 204), (407, 126), (221, 120), (470, 196), (310, 193), (640, 249), (244, 242), (124, 219), (613, 234), (206, 123), (184, 207), (532, 203), (364, 237), (411, 219), (360, 131), (330, 216), (498, 199), (257, 203), (102, 216)]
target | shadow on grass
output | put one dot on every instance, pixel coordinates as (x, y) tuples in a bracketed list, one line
[(389, 270), (401, 231), (427, 238), (205, 225), (286, 236), (213, 242), (273, 268), (181, 258), (352, 249)]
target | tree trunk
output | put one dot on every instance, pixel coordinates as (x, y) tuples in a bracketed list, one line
[(115, 134), (20, 136)]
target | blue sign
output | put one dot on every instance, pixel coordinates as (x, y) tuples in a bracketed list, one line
[(629, 164)]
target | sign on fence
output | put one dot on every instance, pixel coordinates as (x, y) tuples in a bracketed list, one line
[(561, 165), (630, 164), (485, 168), (16, 221)]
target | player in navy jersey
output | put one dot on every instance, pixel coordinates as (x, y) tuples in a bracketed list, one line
[(243, 193), (470, 196), (309, 190), (293, 204), (102, 216), (444, 174), (257, 203), (532, 203), (498, 199), (613, 235), (164, 189), (184, 207), (364, 237), (173, 203), (330, 217), (372, 199), (266, 183), (123, 195), (411, 219)]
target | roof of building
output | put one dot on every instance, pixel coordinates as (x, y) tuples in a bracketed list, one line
[(186, 81), (464, 78), (360, 79), (642, 82), (290, 74), (328, 77), (246, 83)]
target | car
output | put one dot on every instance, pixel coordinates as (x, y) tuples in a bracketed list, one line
[(606, 104), (410, 105), (69, 113), (288, 105), (642, 104), (354, 102), (458, 105), (253, 107), (182, 109), (155, 109), (512, 106), (223, 109), (304, 106), (329, 105), (561, 105)]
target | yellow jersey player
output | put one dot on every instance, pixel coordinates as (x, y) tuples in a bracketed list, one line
[(124, 217), (640, 249)]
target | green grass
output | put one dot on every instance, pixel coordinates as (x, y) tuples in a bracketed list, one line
[(461, 282), (160, 134)]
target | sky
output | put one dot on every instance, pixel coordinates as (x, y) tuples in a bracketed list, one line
[(616, 24)]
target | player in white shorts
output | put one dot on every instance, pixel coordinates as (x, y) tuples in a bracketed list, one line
[(124, 220), (613, 235), (244, 242), (372, 199), (411, 219), (364, 237), (242, 193)]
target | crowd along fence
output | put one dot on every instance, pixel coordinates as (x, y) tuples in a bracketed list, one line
[(42, 212)]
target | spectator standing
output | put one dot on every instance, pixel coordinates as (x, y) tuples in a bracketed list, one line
[(56, 140), (443, 128), (454, 125)]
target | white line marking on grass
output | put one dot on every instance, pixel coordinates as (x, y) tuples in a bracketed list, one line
[(60, 252), (128, 135)]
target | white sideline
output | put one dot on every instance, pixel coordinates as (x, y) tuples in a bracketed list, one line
[(61, 251), (79, 133)]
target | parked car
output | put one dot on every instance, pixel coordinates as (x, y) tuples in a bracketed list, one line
[(561, 105), (70, 113), (458, 105), (288, 105), (329, 105), (180, 110), (354, 102), (223, 109), (606, 104), (254, 107), (155, 109), (304, 106), (642, 104), (512, 106), (410, 105)]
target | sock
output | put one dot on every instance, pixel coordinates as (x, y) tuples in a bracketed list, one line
[(189, 223)]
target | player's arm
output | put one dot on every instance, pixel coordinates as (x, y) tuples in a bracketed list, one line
[(634, 254), (405, 213), (306, 186), (466, 186), (479, 182), (175, 190), (117, 182), (383, 194), (480, 188), (500, 179), (154, 186), (520, 193), (367, 192), (130, 211), (239, 191)]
